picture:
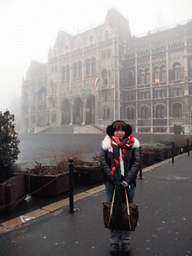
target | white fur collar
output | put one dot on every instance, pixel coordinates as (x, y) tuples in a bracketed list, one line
[(106, 143)]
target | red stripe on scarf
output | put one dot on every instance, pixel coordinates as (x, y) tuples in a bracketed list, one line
[(129, 143), (116, 162), (113, 171)]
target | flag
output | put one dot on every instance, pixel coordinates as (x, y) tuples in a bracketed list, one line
[(95, 83)]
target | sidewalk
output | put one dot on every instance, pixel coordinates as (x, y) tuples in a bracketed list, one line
[(164, 228)]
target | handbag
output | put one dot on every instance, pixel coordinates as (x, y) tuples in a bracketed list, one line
[(130, 214)]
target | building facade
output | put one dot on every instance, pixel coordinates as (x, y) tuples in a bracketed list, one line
[(157, 80), (147, 81), (33, 98)]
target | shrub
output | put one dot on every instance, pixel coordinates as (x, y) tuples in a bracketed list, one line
[(8, 145)]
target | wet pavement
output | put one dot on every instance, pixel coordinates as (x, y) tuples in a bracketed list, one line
[(164, 228)]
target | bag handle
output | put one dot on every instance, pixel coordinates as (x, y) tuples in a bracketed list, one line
[(112, 204), (128, 210)]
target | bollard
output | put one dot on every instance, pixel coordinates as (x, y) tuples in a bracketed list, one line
[(188, 147), (71, 184), (141, 162), (172, 152)]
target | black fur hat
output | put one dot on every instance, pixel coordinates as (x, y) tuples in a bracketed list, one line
[(110, 131)]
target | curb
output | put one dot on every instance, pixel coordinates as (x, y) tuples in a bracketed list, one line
[(18, 221)]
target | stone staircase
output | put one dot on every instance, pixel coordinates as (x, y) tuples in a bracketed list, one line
[(72, 129), (86, 129), (62, 129)]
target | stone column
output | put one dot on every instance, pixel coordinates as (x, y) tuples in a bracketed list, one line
[(71, 113), (84, 113)]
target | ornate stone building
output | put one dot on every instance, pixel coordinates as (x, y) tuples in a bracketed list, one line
[(156, 81), (33, 98), (147, 81)]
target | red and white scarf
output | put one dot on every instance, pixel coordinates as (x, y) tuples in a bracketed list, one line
[(118, 147)]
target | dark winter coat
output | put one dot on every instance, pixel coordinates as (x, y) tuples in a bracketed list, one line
[(131, 162)]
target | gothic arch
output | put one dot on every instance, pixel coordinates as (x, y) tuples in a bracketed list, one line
[(90, 110), (65, 116), (144, 112), (78, 111), (156, 74), (129, 112), (177, 111), (163, 73), (160, 111), (147, 76), (127, 78), (106, 113), (177, 71), (141, 77)]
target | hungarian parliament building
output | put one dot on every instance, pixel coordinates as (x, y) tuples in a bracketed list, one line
[(105, 73)]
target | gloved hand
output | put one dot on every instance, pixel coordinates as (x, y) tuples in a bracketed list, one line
[(124, 184)]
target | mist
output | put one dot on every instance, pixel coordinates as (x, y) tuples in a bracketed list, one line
[(29, 28)]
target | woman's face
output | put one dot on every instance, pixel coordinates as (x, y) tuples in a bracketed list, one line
[(120, 134)]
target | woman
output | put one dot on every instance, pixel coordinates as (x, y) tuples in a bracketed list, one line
[(120, 160)]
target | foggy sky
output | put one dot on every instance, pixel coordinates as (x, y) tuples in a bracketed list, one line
[(29, 27)]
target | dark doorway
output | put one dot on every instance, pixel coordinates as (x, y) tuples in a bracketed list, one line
[(78, 111), (90, 110), (65, 112)]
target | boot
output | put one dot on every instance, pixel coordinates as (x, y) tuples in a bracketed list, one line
[(114, 249), (126, 248)]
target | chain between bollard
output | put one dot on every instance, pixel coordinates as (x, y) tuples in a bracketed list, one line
[(140, 164), (71, 185), (188, 147), (173, 144)]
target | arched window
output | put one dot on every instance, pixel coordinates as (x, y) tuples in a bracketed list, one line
[(67, 73), (106, 113), (88, 64), (177, 110), (160, 111), (141, 77), (124, 78), (147, 76), (177, 71), (75, 68), (53, 117), (79, 69), (129, 113), (130, 78), (63, 74), (163, 74), (93, 63), (104, 76), (156, 74), (144, 113)]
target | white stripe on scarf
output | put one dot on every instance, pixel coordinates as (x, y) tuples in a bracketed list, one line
[(122, 164)]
